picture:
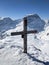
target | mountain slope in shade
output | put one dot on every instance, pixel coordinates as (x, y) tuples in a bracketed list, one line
[(8, 23), (11, 47), (35, 22)]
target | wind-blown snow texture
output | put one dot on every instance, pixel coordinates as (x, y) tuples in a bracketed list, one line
[(11, 47)]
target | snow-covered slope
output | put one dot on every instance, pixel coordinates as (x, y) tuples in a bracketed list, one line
[(11, 47), (7, 24)]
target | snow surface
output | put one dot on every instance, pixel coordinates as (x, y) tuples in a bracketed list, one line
[(11, 47)]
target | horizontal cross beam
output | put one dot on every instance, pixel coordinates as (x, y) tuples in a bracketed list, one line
[(22, 33)]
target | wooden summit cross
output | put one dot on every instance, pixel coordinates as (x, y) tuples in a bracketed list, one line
[(24, 34)]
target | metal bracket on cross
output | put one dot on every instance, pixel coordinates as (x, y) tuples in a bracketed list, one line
[(24, 34)]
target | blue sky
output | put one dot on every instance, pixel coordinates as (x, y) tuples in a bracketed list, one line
[(19, 8)]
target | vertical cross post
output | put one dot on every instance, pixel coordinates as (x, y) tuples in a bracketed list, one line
[(25, 35)]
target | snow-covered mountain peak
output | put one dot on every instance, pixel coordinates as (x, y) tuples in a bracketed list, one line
[(7, 19), (35, 22), (35, 16)]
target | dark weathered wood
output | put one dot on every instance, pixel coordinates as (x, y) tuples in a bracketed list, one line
[(32, 31), (16, 33), (24, 34)]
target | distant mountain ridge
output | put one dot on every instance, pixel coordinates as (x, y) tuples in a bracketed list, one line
[(8, 23), (34, 22)]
